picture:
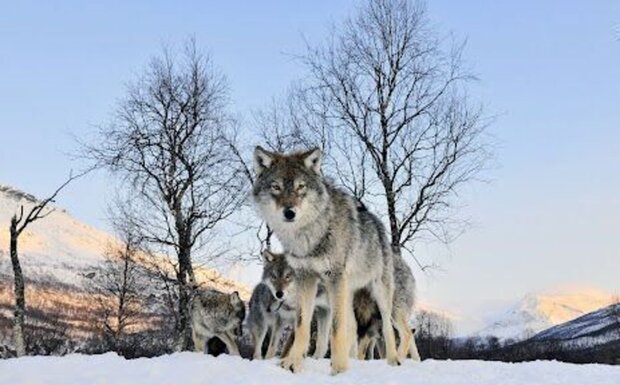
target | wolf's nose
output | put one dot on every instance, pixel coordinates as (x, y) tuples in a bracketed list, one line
[(279, 294), (289, 214)]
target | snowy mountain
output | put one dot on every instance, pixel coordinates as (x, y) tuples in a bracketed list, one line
[(537, 312), (56, 254), (595, 328)]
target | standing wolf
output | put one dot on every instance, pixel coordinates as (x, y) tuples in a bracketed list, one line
[(326, 240), (272, 307), (216, 314), (368, 317)]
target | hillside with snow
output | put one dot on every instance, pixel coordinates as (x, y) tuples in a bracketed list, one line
[(537, 312), (596, 328), (57, 254)]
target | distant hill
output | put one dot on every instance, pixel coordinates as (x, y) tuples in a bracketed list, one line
[(539, 311), (596, 328), (58, 254)]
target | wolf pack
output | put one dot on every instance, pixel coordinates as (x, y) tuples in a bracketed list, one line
[(339, 289)]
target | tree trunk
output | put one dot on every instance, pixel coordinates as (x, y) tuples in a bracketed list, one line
[(185, 276), (391, 209), (20, 298)]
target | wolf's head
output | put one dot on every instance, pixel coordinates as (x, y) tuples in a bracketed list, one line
[(278, 275), (288, 189)]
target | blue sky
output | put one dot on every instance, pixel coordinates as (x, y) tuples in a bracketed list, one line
[(549, 70)]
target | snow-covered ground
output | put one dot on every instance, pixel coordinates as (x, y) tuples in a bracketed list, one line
[(192, 368)]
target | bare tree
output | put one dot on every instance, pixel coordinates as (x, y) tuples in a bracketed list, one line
[(433, 334), (121, 284), (168, 143), (388, 105), (19, 222)]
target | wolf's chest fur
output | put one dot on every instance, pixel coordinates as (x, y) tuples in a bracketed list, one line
[(318, 246)]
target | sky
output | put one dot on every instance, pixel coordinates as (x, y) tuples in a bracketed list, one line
[(549, 215)]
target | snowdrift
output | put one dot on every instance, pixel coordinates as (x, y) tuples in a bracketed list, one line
[(193, 368)]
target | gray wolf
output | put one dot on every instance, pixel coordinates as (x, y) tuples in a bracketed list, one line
[(327, 241), (272, 307), (216, 314), (368, 317)]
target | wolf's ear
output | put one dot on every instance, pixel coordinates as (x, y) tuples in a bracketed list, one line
[(268, 256), (262, 159), (312, 160), (235, 296)]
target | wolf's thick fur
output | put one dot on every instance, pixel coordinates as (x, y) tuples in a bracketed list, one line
[(216, 314), (268, 313), (326, 240), (368, 317)]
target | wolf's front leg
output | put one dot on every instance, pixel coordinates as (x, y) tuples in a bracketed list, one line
[(258, 333), (199, 341), (306, 293), (339, 298), (229, 340), (274, 341)]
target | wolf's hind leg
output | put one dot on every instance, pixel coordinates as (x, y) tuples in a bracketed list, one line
[(404, 334), (413, 348), (229, 341), (383, 297), (362, 347), (323, 321)]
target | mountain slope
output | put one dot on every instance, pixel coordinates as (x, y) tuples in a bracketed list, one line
[(57, 253), (537, 312), (595, 328)]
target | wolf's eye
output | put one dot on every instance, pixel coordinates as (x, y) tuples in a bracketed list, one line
[(288, 277), (301, 187), (275, 187)]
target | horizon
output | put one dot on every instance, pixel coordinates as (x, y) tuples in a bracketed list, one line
[(549, 216)]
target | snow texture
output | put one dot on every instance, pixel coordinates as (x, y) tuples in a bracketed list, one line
[(193, 368)]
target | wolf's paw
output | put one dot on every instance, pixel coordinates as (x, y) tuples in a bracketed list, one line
[(338, 368), (292, 364), (393, 361)]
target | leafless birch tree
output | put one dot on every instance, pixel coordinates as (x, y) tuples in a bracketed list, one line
[(168, 143), (19, 223), (386, 99), (121, 284)]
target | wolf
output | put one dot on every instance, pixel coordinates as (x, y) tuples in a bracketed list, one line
[(327, 241), (272, 307), (368, 317), (216, 314)]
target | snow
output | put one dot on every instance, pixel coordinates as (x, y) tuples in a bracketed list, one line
[(592, 329), (539, 311), (193, 368)]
